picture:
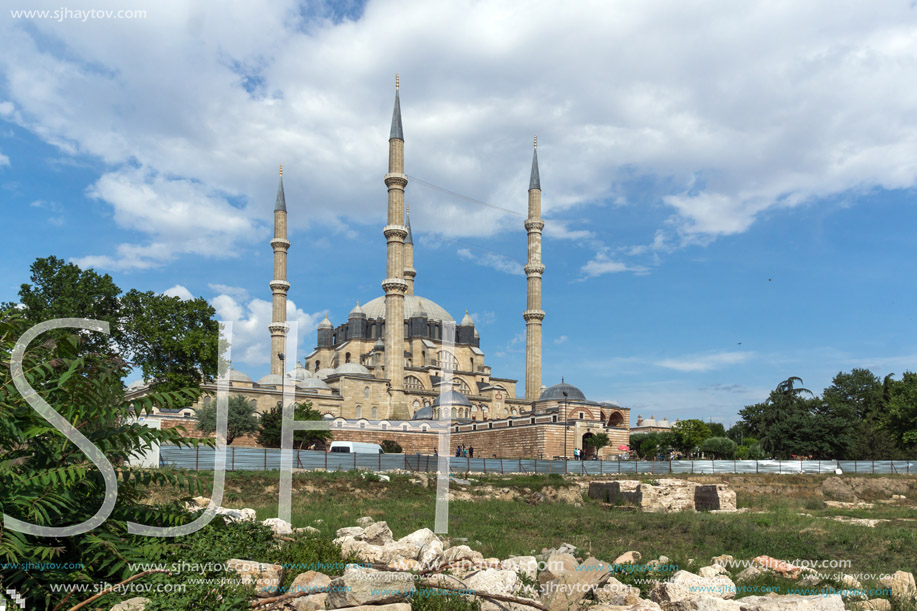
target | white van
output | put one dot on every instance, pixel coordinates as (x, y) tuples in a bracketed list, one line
[(355, 447)]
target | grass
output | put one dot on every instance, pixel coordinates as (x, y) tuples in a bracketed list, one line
[(775, 525)]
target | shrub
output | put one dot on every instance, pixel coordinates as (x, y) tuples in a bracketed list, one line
[(391, 447)]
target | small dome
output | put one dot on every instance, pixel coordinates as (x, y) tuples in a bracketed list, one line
[(357, 311), (300, 373), (466, 320), (563, 391), (353, 369), (136, 384), (379, 345), (323, 373), (271, 379), (311, 383), (424, 413), (452, 398), (325, 324), (413, 305), (476, 335), (237, 376)]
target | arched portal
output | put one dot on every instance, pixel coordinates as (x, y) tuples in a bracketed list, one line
[(588, 450)]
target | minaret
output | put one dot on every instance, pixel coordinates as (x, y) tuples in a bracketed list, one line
[(533, 314), (394, 284), (279, 285), (409, 271)]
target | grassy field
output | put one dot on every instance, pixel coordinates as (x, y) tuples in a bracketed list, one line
[(785, 519)]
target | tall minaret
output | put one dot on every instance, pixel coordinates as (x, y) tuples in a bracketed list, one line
[(394, 284), (279, 285), (409, 271), (533, 314)]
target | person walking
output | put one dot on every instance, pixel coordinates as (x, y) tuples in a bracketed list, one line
[(470, 451)]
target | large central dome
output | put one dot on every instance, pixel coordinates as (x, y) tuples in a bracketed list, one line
[(413, 305)]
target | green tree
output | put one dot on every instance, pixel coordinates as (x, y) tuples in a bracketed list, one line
[(391, 447), (719, 447), (902, 411), (173, 341), (271, 427), (63, 290), (242, 418), (784, 422), (598, 441), (47, 480), (716, 429), (691, 434), (857, 399)]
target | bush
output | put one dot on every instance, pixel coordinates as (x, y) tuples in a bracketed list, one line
[(719, 447), (391, 447)]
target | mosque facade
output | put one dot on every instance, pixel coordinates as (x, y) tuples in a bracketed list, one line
[(405, 380)]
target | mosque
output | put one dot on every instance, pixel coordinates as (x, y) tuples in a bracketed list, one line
[(400, 368)]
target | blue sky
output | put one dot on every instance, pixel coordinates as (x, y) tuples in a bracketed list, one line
[(728, 190)]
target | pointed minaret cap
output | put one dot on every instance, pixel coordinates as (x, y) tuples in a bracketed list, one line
[(281, 199), (467, 321), (535, 180), (410, 237), (396, 133), (325, 324)]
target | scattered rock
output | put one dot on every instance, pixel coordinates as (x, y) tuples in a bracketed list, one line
[(749, 573), (138, 603), (631, 557), (365, 521), (459, 481), (266, 577), (359, 586), (684, 585), (280, 527), (310, 581), (666, 495), (308, 529), (712, 571), (527, 565), (831, 602), (867, 522), (847, 505), (902, 587), (378, 533)]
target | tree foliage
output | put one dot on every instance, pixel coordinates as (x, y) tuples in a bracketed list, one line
[(598, 441), (173, 342), (719, 447), (690, 434), (47, 481), (242, 418), (271, 427)]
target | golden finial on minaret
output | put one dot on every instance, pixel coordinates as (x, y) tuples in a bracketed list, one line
[(408, 207), (396, 80), (281, 169), (535, 144)]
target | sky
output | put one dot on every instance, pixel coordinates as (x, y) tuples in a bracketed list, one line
[(728, 188)]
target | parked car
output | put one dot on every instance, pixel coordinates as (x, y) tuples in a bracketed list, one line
[(355, 447)]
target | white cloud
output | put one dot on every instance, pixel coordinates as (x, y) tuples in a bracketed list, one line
[(179, 291), (485, 318), (495, 261), (704, 362), (602, 264), (251, 340), (236, 292), (561, 340), (745, 107), (4, 160), (180, 216)]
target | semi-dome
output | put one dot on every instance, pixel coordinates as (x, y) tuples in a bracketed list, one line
[(271, 379), (558, 392), (424, 413), (413, 306), (452, 398), (237, 376), (311, 383), (353, 369), (324, 372)]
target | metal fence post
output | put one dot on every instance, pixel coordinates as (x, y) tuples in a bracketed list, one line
[(197, 453), (265, 459), (326, 460), (232, 455), (354, 461), (670, 467), (873, 467), (756, 467)]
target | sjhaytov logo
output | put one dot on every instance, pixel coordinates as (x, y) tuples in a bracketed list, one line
[(11, 595)]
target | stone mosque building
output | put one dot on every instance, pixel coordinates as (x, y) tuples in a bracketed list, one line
[(403, 381)]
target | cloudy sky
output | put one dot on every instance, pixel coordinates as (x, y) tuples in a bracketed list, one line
[(728, 187)]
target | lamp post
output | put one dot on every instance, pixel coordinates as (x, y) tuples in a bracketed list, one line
[(565, 422)]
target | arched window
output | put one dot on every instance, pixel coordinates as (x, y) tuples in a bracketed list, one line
[(462, 386), (413, 383), (515, 412), (347, 358), (423, 357), (445, 360), (359, 412), (206, 400), (454, 413), (616, 419), (416, 404), (316, 364), (366, 392), (375, 412)]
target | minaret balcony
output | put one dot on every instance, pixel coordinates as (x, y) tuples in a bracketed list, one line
[(532, 315), (533, 269), (280, 286), (396, 179), (534, 225), (280, 244), (394, 285), (395, 233)]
